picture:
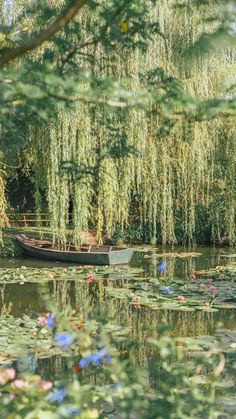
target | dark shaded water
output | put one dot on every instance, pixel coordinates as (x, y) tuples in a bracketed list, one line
[(25, 298)]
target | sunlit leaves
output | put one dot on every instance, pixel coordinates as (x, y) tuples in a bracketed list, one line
[(220, 21)]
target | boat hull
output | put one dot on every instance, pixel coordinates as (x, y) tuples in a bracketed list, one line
[(117, 257)]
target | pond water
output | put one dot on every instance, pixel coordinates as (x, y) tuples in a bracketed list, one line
[(116, 292)]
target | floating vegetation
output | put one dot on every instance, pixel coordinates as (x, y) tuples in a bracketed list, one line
[(223, 339), (145, 248), (75, 273), (20, 336), (208, 291), (220, 272), (175, 294), (25, 337), (176, 255), (228, 255)]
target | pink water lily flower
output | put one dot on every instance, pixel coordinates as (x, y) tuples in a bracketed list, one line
[(42, 320), (90, 278), (193, 277), (21, 384), (45, 385), (181, 298), (137, 306), (6, 375), (210, 280), (212, 289)]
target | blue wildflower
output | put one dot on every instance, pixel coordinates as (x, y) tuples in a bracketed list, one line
[(163, 267), (51, 321), (165, 290), (95, 359), (98, 357), (107, 359), (84, 362), (72, 411), (64, 340), (58, 396)]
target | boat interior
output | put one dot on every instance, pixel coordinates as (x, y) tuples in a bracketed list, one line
[(47, 244)]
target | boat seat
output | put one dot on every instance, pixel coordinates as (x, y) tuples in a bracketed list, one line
[(100, 249), (71, 247), (44, 245), (85, 248)]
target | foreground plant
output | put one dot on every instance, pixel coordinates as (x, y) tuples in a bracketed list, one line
[(100, 383)]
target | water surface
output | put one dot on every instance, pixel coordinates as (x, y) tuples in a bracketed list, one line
[(26, 298)]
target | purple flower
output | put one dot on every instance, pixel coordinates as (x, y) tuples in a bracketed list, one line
[(64, 340), (163, 267), (51, 321), (165, 290), (58, 396)]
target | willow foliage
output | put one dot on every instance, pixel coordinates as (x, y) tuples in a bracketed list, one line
[(180, 176), (174, 171)]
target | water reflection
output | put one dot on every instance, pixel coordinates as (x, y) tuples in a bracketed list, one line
[(83, 298), (180, 266)]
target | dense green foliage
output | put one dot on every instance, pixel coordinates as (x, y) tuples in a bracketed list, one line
[(120, 114), (114, 109)]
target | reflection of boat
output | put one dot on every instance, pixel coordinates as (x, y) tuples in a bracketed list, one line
[(86, 254)]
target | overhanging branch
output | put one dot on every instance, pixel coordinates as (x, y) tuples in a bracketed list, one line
[(66, 16)]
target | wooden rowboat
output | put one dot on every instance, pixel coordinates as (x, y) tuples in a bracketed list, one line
[(86, 255)]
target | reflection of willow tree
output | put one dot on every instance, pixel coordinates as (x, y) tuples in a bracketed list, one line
[(175, 266), (148, 320), (83, 299), (147, 323), (6, 308), (180, 186), (89, 298), (61, 294), (181, 267), (77, 295)]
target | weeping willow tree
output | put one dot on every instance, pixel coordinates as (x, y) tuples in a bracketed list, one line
[(181, 175), (173, 170)]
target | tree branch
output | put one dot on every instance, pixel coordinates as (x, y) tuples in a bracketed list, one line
[(88, 41), (98, 101), (65, 17)]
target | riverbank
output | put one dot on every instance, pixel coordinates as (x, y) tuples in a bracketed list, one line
[(10, 248)]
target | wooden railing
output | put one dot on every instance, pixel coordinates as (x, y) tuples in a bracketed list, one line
[(29, 219)]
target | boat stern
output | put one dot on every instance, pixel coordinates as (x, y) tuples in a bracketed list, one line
[(120, 257)]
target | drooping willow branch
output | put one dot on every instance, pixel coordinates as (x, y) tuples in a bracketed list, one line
[(66, 16)]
